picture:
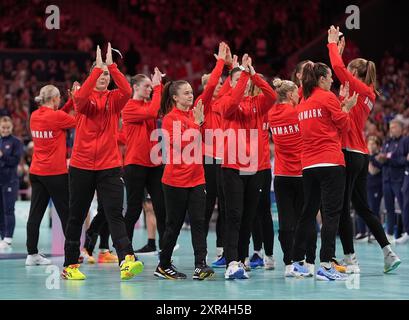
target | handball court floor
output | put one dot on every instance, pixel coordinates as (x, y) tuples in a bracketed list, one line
[(20, 282)]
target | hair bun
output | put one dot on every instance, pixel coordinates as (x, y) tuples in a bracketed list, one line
[(277, 82), (38, 99)]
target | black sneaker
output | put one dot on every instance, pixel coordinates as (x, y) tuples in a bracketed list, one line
[(202, 272), (146, 250), (169, 273)]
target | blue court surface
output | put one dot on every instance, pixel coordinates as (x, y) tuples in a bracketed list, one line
[(20, 282)]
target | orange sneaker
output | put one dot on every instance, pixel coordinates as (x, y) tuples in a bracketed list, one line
[(338, 266), (107, 257)]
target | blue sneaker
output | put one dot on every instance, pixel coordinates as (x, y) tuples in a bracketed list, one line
[(219, 263), (324, 274), (256, 261), (300, 270), (235, 271)]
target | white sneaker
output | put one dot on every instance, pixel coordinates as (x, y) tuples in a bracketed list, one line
[(289, 271), (392, 261), (402, 240), (391, 238), (269, 263), (37, 260), (235, 270), (311, 269), (351, 263), (4, 245), (247, 266)]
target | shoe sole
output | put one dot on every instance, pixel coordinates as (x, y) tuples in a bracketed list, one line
[(151, 253), (323, 278), (109, 261), (70, 279), (201, 278), (239, 275), (393, 267), (135, 270), (162, 276)]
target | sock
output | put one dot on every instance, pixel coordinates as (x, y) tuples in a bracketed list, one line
[(386, 250), (326, 265), (258, 252), (8, 240), (103, 250), (152, 243)]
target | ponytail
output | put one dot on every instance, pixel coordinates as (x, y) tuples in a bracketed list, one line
[(311, 75), (167, 102), (366, 71), (370, 77), (299, 69)]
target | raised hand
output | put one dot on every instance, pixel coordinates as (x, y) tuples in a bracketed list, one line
[(222, 51), (245, 62), (350, 102), (98, 60), (198, 113), (341, 45), (157, 77), (333, 35), (251, 68), (235, 61), (344, 90), (229, 58), (109, 60), (75, 87)]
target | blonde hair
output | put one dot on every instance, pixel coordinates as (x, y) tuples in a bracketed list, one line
[(282, 87), (47, 93), (366, 70)]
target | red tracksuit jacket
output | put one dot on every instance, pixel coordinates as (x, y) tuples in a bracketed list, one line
[(177, 172), (216, 122), (49, 136), (207, 98), (95, 144), (241, 115), (322, 122), (286, 133), (139, 118), (354, 139)]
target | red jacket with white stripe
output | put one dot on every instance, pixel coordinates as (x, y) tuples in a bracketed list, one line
[(48, 130), (286, 134), (244, 123), (95, 144), (322, 122), (354, 139), (139, 118)]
